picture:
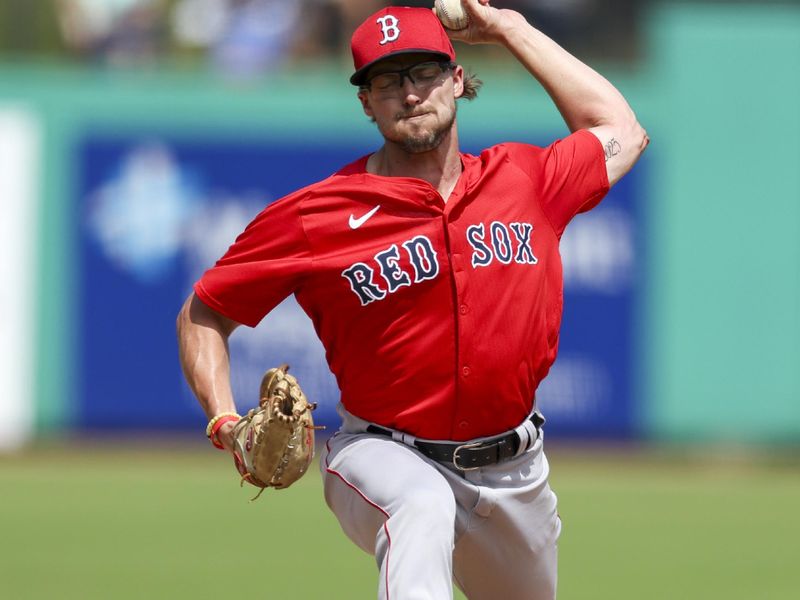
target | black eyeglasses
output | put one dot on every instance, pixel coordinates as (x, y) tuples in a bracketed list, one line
[(423, 75)]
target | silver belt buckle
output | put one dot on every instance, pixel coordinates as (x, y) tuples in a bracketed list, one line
[(462, 447)]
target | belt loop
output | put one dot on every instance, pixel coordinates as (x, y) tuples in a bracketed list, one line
[(528, 434), (403, 438)]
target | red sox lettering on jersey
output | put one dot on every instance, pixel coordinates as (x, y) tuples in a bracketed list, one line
[(420, 254), (421, 304), (499, 245)]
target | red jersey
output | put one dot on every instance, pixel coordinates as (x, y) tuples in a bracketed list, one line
[(438, 319)]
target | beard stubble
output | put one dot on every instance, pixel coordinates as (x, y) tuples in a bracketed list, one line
[(423, 141)]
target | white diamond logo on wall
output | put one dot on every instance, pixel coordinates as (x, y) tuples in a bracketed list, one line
[(138, 216)]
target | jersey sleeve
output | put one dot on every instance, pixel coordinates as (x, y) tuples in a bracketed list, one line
[(265, 264), (570, 175)]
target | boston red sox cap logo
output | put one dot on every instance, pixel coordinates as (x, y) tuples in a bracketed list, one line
[(389, 27)]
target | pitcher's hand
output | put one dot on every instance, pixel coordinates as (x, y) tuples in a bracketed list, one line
[(487, 24)]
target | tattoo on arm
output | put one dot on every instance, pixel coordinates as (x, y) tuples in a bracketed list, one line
[(612, 148)]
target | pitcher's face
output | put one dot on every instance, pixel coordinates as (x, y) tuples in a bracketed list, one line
[(412, 99)]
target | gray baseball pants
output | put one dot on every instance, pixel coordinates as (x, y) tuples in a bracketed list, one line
[(492, 530)]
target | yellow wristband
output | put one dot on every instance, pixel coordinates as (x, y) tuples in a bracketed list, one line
[(214, 420)]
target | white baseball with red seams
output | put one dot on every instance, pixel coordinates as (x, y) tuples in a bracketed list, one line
[(452, 14)]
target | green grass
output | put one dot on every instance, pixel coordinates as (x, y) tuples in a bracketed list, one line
[(658, 529), (88, 522)]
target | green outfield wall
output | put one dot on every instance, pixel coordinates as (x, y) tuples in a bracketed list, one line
[(718, 89), (724, 307)]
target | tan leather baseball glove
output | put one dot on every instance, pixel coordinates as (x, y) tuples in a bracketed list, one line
[(274, 442)]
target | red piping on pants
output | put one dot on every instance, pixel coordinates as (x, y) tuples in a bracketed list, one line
[(371, 503)]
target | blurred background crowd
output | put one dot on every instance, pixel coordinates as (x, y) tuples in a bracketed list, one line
[(249, 37)]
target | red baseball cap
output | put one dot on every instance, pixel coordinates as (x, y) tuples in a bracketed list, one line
[(397, 30)]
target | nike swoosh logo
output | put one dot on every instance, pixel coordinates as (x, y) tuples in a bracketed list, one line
[(356, 223)]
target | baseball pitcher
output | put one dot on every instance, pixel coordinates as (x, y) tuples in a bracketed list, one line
[(434, 281)]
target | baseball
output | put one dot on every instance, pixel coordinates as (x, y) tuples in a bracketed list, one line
[(451, 13)]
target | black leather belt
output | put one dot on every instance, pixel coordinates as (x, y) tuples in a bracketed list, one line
[(469, 455)]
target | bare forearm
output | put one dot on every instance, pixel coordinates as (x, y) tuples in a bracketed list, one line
[(204, 356)]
